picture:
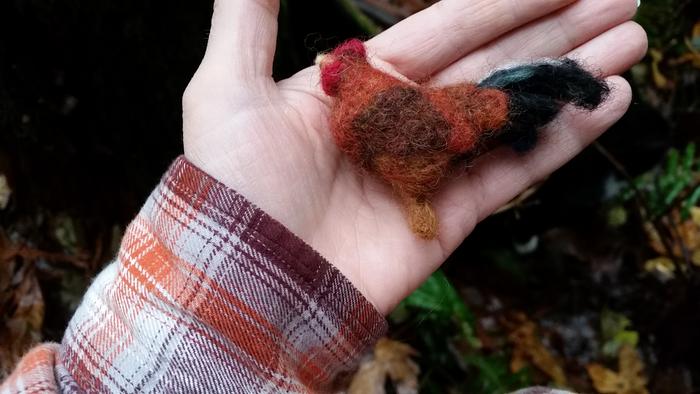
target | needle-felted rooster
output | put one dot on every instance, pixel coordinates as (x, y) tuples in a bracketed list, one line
[(412, 136)]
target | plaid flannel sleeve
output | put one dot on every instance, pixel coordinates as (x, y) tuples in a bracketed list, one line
[(208, 294)]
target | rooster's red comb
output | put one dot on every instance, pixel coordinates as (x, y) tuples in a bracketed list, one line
[(352, 47), (332, 68)]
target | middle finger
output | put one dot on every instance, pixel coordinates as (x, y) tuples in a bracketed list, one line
[(551, 36)]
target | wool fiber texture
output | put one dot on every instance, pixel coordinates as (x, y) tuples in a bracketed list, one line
[(413, 136)]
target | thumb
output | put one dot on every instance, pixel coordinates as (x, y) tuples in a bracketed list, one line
[(242, 39)]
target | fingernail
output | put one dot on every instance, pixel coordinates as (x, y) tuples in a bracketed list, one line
[(639, 2)]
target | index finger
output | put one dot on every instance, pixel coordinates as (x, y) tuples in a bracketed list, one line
[(430, 40)]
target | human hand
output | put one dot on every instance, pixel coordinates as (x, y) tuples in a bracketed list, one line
[(271, 141)]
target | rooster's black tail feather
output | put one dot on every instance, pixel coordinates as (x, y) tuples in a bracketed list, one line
[(538, 91)]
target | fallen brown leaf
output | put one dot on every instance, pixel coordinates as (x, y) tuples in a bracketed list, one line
[(529, 350), (5, 192), (660, 80), (390, 359), (692, 43), (629, 379), (688, 231), (21, 306), (662, 267)]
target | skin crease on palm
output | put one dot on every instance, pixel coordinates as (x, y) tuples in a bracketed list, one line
[(271, 143)]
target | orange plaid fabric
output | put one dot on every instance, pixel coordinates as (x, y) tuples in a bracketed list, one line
[(208, 294)]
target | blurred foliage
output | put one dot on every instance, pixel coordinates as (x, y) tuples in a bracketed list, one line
[(21, 305), (665, 21), (492, 375), (676, 183), (666, 199), (616, 333), (667, 78), (438, 301), (447, 342)]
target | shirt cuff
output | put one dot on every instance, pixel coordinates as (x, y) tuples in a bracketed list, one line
[(209, 293), (299, 292)]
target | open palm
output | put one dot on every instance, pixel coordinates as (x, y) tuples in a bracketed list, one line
[(271, 143)]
